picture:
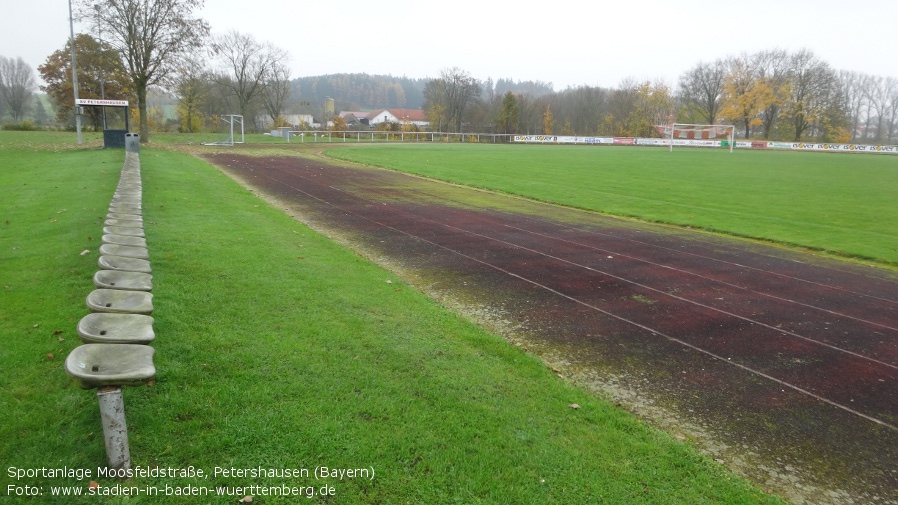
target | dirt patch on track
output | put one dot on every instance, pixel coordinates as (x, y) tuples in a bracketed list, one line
[(782, 365)]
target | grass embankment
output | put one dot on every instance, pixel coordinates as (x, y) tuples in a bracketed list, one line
[(844, 204), (277, 348)]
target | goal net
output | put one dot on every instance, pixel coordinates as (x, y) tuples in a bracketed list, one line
[(684, 133), (233, 134)]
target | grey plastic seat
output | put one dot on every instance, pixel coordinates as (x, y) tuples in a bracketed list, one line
[(121, 279), (131, 197), (127, 223), (125, 250), (124, 210), (123, 230), (109, 328), (99, 365), (111, 262), (126, 200), (125, 207), (124, 240), (132, 216), (120, 301)]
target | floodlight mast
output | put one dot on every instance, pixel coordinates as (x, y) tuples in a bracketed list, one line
[(74, 74)]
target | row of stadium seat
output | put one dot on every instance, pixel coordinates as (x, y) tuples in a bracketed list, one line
[(116, 334)]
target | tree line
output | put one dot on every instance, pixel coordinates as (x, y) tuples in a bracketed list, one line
[(137, 46), (770, 95)]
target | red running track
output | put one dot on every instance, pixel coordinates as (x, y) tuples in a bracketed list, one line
[(763, 337)]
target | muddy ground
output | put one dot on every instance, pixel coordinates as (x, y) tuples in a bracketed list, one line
[(780, 364)]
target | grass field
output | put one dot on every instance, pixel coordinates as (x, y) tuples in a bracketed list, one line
[(843, 204), (277, 348)]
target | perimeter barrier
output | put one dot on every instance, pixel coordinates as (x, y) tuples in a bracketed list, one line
[(371, 136), (739, 144)]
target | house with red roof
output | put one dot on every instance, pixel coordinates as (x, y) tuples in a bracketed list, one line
[(413, 116), (354, 118)]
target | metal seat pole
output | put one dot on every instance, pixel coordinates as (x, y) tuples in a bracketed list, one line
[(115, 430)]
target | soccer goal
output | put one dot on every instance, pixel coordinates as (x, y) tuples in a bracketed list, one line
[(234, 135), (698, 132)]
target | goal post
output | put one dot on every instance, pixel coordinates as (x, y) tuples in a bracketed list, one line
[(234, 126), (683, 131)]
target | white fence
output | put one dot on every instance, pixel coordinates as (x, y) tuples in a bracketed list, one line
[(498, 138), (740, 144), (391, 136)]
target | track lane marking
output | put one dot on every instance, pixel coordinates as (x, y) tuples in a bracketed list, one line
[(593, 307)]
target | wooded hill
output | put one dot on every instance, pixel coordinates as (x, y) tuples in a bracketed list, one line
[(366, 92)]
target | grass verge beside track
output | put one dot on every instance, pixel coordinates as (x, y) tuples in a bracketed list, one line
[(843, 204), (277, 348)]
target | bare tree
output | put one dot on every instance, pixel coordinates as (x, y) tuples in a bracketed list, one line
[(151, 35), (247, 65), (531, 113), (623, 103), (702, 88), (2, 90), (773, 74), (451, 94), (879, 93), (581, 108), (854, 93), (2, 87), (276, 91), (192, 88), (742, 97), (638, 106), (435, 104), (892, 112), (812, 86), (17, 86)]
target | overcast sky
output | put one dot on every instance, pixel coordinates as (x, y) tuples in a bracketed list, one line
[(567, 43)]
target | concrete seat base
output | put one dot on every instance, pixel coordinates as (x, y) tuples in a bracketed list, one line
[(112, 262), (125, 250), (100, 365), (105, 328), (120, 301), (121, 279)]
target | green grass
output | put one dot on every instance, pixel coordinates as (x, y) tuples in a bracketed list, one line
[(844, 204), (278, 348)]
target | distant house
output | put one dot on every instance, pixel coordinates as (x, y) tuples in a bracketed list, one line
[(295, 120), (298, 120), (354, 118), (413, 116)]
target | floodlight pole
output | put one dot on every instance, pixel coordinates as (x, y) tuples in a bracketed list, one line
[(102, 77), (74, 74)]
